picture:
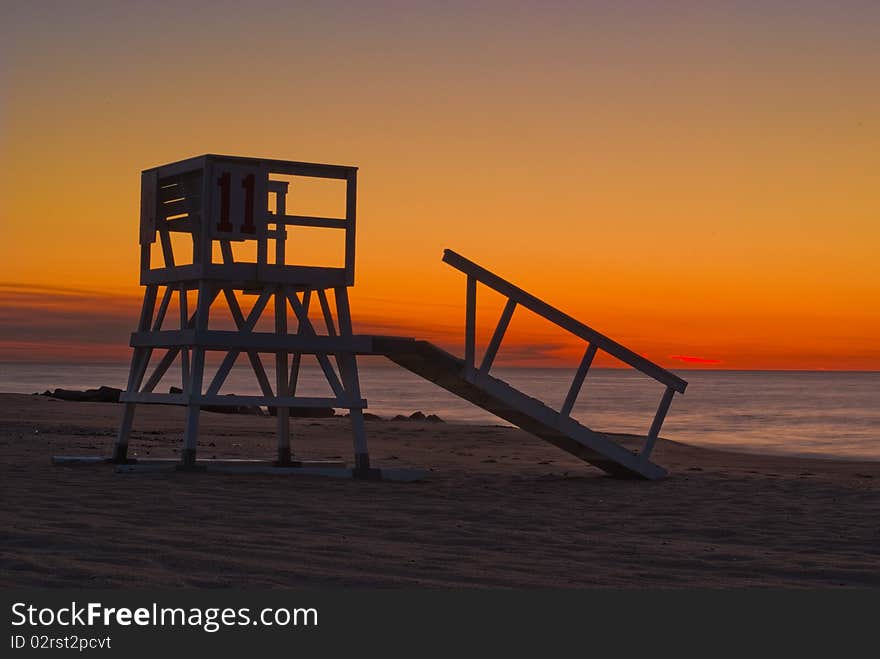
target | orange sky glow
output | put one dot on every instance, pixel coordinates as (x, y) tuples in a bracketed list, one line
[(698, 184)]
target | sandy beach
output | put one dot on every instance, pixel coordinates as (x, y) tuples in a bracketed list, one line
[(500, 509)]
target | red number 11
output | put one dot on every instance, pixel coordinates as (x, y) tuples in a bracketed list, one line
[(249, 185)]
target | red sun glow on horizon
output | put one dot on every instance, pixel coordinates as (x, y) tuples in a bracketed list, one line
[(694, 360)]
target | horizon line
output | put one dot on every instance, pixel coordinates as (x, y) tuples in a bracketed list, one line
[(126, 363)]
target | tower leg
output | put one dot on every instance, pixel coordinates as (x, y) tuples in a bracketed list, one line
[(193, 387), (281, 379), (283, 436), (139, 362), (135, 376), (348, 366), (139, 359), (191, 429), (361, 454), (190, 435), (120, 450)]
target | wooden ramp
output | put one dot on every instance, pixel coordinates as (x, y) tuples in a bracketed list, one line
[(496, 396), (473, 382)]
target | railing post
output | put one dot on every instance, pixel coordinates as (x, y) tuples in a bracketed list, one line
[(495, 342), (654, 432), (282, 412), (470, 326), (578, 381), (563, 320)]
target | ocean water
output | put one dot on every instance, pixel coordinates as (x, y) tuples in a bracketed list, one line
[(825, 414)]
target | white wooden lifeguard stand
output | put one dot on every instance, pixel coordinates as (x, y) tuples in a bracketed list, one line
[(220, 202), (217, 203)]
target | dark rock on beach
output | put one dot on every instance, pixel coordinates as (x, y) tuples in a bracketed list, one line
[(307, 412), (111, 395), (99, 395), (419, 416)]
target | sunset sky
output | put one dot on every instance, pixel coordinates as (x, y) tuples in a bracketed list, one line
[(698, 180)]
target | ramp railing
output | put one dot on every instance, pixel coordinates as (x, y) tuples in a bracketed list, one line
[(595, 341)]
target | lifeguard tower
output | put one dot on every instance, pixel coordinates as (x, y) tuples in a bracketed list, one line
[(221, 204)]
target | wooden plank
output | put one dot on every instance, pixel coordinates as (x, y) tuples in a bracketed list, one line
[(306, 305), (308, 221), (390, 475), (183, 303), (328, 315), (149, 192), (243, 275), (307, 329), (167, 248), (146, 258), (244, 331), (234, 307), (259, 341), (564, 320), (178, 206), (139, 361), (246, 325), (302, 275), (470, 325), (578, 381), (147, 307), (351, 224), (499, 398), (184, 352), (180, 225), (226, 252), (281, 376), (654, 432), (180, 167), (289, 167), (262, 245), (348, 368), (297, 357), (152, 397), (176, 275), (243, 462), (169, 356), (295, 364), (163, 308), (260, 372), (257, 310), (163, 338), (497, 336), (280, 189), (193, 385), (79, 459), (161, 368), (204, 246), (222, 372)]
